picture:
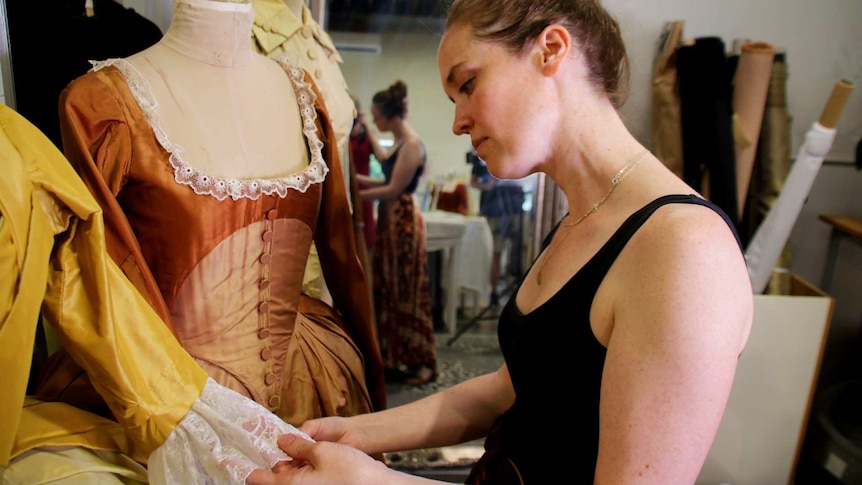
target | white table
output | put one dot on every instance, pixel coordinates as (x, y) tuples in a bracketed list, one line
[(467, 246)]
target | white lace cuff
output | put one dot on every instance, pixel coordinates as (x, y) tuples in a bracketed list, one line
[(223, 438)]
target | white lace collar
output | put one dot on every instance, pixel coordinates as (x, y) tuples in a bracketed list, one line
[(222, 188)]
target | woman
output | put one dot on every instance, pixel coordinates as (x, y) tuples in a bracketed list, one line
[(402, 293), (641, 297)]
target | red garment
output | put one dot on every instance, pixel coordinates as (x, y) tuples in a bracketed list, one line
[(454, 201), (360, 148)]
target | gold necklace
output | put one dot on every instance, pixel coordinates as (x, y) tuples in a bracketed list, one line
[(627, 169)]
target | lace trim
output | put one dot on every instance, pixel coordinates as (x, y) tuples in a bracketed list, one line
[(223, 438), (219, 187)]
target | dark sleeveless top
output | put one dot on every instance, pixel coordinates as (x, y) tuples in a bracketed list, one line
[(389, 164), (551, 432)]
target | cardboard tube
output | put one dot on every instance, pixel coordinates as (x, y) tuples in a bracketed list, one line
[(750, 86), (835, 105)]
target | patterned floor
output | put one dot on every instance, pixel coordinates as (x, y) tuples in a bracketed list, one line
[(474, 353)]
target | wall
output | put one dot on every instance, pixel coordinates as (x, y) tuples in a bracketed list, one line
[(412, 58)]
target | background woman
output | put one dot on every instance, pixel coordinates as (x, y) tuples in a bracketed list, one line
[(402, 293)]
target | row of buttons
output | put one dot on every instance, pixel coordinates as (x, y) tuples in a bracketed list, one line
[(263, 307)]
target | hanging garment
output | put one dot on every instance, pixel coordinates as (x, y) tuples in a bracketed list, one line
[(452, 197), (74, 38)]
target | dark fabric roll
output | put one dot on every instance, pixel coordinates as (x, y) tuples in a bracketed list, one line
[(706, 115)]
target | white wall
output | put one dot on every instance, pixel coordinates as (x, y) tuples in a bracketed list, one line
[(412, 58)]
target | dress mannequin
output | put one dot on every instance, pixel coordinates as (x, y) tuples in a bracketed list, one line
[(191, 148), (254, 127)]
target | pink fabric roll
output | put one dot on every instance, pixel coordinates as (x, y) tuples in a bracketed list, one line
[(750, 86)]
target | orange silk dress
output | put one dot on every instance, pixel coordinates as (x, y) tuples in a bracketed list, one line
[(222, 260)]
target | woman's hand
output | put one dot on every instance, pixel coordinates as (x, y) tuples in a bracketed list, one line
[(336, 429), (321, 463)]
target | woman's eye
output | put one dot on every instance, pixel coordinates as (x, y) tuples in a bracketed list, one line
[(467, 87)]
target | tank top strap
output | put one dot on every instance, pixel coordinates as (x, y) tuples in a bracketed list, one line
[(609, 252)]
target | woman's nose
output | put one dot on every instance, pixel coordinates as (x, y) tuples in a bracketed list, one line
[(462, 123)]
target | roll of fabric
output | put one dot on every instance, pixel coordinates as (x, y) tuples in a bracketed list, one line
[(666, 124), (750, 86), (765, 247), (706, 117)]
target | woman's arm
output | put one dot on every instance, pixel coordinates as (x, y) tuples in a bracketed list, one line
[(369, 181), (378, 151), (410, 157), (679, 314), (454, 415)]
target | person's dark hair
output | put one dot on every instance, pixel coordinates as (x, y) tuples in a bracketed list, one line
[(516, 23), (392, 101)]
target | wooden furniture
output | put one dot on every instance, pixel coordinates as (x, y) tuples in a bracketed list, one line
[(843, 227)]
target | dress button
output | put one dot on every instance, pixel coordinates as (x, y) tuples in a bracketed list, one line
[(265, 354), (263, 284), (265, 258), (318, 73), (269, 379), (273, 402), (266, 236), (263, 307), (263, 333), (271, 214), (306, 31), (311, 54)]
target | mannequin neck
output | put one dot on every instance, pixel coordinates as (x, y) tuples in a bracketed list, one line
[(211, 31), (295, 6)]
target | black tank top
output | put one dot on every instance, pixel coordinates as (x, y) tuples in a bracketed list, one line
[(551, 433), (386, 166)]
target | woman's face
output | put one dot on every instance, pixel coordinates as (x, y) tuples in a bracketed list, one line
[(496, 101), (382, 123)]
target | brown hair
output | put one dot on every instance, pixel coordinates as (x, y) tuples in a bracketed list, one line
[(392, 101), (516, 23)]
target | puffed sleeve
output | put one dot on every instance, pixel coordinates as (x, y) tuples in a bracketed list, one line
[(97, 126), (146, 378), (339, 259)]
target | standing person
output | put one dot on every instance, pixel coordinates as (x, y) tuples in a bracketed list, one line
[(640, 298), (402, 292)]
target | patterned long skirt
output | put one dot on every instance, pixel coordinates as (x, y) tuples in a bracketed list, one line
[(402, 292)]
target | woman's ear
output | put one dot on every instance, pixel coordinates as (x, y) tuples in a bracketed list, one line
[(554, 45)]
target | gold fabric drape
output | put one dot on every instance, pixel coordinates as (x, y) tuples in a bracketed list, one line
[(53, 258)]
